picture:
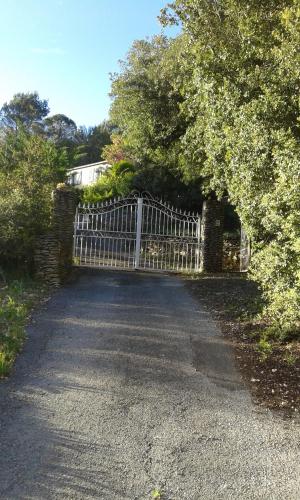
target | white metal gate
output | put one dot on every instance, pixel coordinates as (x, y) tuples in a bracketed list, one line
[(136, 232)]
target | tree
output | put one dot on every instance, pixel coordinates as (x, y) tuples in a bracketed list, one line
[(169, 186), (26, 110), (98, 138), (146, 101), (243, 134), (81, 144), (89, 143), (116, 151), (219, 106), (148, 111), (60, 129)]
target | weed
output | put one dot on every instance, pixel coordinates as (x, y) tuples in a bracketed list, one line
[(265, 348), (76, 261), (156, 494), (290, 358), (4, 364)]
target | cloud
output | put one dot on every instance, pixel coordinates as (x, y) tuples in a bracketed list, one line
[(56, 51)]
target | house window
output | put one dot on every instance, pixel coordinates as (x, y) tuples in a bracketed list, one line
[(98, 172), (74, 179)]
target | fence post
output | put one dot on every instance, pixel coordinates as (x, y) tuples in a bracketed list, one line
[(138, 232)]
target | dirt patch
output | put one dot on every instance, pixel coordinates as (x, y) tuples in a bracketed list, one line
[(273, 377)]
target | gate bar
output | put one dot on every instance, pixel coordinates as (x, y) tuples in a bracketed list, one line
[(199, 236), (138, 232)]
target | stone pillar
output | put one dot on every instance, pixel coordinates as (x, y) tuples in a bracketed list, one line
[(245, 251), (64, 207), (212, 236), (46, 259), (54, 250)]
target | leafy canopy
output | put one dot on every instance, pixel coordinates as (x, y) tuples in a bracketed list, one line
[(243, 136), (220, 104), (26, 110)]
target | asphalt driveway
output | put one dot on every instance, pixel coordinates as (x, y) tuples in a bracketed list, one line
[(125, 385)]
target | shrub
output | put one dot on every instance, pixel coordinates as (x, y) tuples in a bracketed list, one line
[(116, 181), (30, 168)]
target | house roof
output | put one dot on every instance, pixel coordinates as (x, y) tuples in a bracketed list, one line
[(80, 167)]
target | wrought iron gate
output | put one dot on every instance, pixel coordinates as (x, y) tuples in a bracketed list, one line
[(136, 232)]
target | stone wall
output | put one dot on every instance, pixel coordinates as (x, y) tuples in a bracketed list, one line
[(212, 236), (54, 251)]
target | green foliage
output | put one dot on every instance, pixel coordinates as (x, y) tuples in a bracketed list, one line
[(146, 101), (16, 300), (30, 167), (60, 129), (265, 348), (25, 110), (124, 177), (35, 151), (116, 181), (290, 359), (81, 145), (98, 137), (146, 108), (220, 104), (168, 185), (117, 150), (242, 107), (30, 113), (88, 144)]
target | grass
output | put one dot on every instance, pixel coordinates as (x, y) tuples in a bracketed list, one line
[(17, 298)]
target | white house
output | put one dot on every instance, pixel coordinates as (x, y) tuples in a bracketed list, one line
[(84, 175)]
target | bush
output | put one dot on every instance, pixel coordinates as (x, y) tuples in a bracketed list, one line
[(30, 168), (116, 181)]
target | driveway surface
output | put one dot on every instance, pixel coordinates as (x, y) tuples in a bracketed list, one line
[(125, 385)]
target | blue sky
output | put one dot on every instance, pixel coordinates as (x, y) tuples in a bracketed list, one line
[(65, 49)]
